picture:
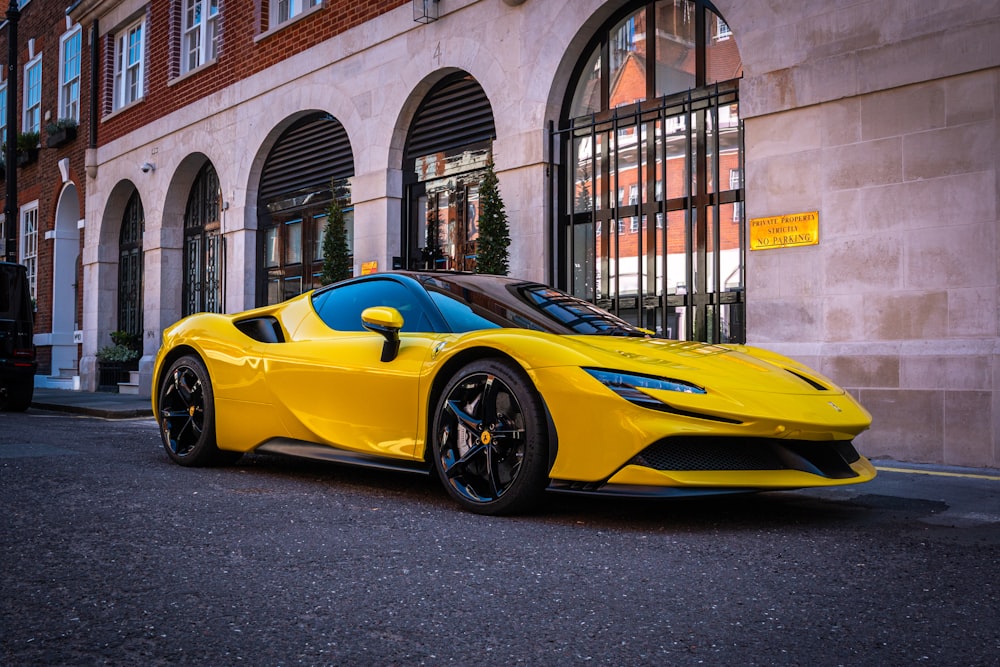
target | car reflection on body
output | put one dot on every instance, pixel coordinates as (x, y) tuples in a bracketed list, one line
[(502, 387)]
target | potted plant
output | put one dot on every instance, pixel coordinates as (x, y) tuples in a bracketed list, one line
[(27, 148), (60, 132), (116, 360), (336, 253), (494, 232)]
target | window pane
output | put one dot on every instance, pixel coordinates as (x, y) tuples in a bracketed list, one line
[(722, 58), (675, 46), (319, 233), (627, 53), (587, 97), (271, 247), (293, 242)]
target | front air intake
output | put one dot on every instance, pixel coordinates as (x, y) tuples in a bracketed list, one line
[(830, 459)]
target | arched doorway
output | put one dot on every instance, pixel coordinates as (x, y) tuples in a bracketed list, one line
[(204, 245), (65, 290), (310, 164), (651, 187), (130, 268), (448, 147)]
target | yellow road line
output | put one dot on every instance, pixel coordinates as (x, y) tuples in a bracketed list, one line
[(992, 478)]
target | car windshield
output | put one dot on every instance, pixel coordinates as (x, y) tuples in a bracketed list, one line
[(471, 303)]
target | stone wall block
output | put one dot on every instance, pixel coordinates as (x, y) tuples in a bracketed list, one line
[(953, 257), (876, 371), (907, 425), (963, 373), (934, 202), (783, 319), (974, 312), (841, 122), (968, 428), (906, 316), (782, 184), (863, 165), (857, 265), (903, 111), (969, 98), (844, 318), (951, 150), (779, 135)]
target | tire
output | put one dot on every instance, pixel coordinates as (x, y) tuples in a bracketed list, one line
[(489, 439), (18, 395), (186, 408)]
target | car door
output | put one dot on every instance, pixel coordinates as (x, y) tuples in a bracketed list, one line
[(331, 384)]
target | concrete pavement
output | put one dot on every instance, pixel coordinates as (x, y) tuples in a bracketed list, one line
[(95, 404)]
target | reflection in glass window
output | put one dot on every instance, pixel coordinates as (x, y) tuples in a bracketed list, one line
[(69, 75), (672, 160), (340, 307), (587, 98), (129, 63), (33, 96), (200, 32)]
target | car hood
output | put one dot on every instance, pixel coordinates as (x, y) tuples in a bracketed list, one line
[(708, 366)]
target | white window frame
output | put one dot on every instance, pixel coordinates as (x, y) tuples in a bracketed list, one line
[(28, 246), (31, 118), (283, 11), (199, 36), (3, 112), (69, 86), (130, 64), (722, 30), (734, 184)]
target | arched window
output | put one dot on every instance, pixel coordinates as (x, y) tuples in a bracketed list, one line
[(651, 181), (310, 164), (204, 245), (130, 268), (450, 142)]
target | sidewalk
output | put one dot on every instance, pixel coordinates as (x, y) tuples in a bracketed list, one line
[(94, 404)]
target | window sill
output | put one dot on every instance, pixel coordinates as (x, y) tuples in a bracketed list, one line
[(191, 72), (122, 109), (295, 19)]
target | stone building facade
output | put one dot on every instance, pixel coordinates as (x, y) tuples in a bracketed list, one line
[(51, 135), (883, 118)]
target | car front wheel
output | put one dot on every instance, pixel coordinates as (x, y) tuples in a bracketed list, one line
[(489, 439), (186, 412)]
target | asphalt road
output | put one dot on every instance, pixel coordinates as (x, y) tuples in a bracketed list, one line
[(113, 555)]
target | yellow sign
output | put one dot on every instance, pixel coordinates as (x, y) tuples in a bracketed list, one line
[(784, 231), (369, 267)]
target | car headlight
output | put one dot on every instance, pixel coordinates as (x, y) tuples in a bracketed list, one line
[(627, 385)]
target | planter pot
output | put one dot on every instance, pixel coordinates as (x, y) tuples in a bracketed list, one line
[(110, 373), (27, 157), (60, 137)]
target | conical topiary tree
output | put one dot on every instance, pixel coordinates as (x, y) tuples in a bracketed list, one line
[(336, 254), (494, 236)]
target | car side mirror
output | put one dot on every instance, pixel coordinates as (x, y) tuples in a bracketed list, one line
[(387, 322)]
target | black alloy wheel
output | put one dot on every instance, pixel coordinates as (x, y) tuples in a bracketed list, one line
[(489, 439), (186, 412)]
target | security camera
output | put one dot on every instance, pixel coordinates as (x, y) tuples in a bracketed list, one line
[(147, 167)]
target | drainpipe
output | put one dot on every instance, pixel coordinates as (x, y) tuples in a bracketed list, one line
[(10, 155)]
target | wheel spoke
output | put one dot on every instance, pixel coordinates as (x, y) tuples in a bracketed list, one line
[(467, 420), (488, 400), (460, 465)]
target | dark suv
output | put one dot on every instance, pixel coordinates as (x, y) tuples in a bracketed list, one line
[(17, 350)]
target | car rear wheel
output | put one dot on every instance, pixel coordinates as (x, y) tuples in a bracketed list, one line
[(17, 395), (186, 414), (489, 439)]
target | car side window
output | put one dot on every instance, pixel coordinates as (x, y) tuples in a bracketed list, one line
[(340, 308)]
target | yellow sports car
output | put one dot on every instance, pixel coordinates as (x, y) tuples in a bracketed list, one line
[(505, 388)]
